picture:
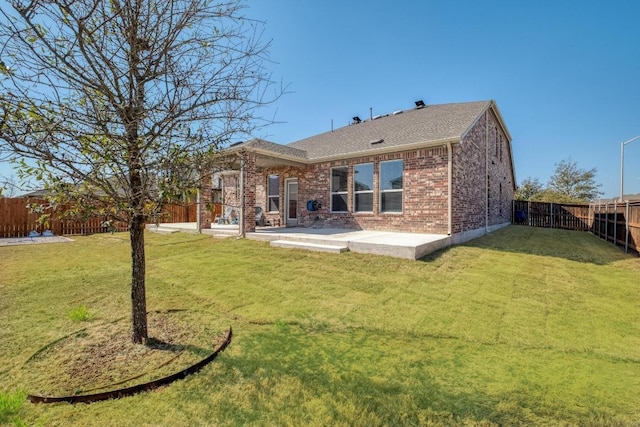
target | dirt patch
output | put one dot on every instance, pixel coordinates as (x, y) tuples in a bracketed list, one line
[(103, 357)]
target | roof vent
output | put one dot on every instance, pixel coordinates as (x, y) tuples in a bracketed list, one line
[(376, 117), (377, 141), (395, 113), (356, 120), (420, 104)]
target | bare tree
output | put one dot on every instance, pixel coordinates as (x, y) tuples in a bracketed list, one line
[(119, 105), (9, 186)]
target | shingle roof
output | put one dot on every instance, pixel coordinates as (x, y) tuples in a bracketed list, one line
[(431, 123), (262, 145)]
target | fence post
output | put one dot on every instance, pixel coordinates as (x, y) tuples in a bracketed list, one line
[(551, 215), (513, 212), (626, 229), (615, 223), (606, 222), (600, 220)]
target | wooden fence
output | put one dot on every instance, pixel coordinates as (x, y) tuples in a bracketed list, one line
[(16, 220), (552, 215), (617, 223)]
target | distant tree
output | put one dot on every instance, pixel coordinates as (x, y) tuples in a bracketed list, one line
[(120, 105), (529, 189), (9, 186), (570, 184)]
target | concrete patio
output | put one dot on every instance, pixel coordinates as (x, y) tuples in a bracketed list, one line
[(335, 240)]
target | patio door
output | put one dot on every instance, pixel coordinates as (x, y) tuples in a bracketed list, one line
[(291, 202)]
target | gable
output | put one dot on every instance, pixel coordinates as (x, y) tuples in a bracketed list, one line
[(417, 128)]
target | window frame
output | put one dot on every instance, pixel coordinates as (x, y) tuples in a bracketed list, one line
[(359, 192), (273, 196), (337, 193), (395, 190)]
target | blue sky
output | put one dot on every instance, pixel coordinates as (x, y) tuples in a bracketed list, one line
[(565, 74)]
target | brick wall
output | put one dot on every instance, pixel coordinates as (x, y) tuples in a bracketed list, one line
[(425, 187), (249, 177), (205, 200), (482, 158), (231, 187), (424, 195)]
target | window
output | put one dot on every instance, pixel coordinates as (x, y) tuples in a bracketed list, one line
[(273, 199), (339, 188), (391, 186), (363, 187)]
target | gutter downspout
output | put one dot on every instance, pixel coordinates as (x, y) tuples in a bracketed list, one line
[(486, 169), (199, 204), (450, 188), (241, 216)]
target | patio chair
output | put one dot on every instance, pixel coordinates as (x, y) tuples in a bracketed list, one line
[(227, 217), (259, 216)]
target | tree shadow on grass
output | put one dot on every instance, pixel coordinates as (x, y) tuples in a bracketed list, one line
[(571, 245), (353, 379)]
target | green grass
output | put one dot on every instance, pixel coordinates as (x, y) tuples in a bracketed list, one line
[(79, 314), (522, 327), (10, 404)]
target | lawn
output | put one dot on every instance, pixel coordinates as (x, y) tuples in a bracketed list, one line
[(525, 326)]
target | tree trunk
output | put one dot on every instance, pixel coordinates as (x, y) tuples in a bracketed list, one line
[(138, 293)]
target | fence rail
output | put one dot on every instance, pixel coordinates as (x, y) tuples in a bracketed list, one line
[(16, 219), (617, 223)]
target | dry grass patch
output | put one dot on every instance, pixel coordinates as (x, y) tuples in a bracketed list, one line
[(101, 357)]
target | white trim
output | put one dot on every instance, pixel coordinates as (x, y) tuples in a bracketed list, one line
[(394, 190), (372, 191), (449, 188), (331, 192), (287, 219), (486, 170), (352, 155), (269, 196)]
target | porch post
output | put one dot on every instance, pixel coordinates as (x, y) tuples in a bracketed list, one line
[(204, 200), (248, 200)]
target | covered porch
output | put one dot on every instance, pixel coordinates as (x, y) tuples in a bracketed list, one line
[(248, 194)]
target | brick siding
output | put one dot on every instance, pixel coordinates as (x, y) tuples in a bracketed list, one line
[(425, 187), (470, 175), (424, 194)]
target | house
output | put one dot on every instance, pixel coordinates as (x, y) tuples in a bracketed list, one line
[(439, 169)]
